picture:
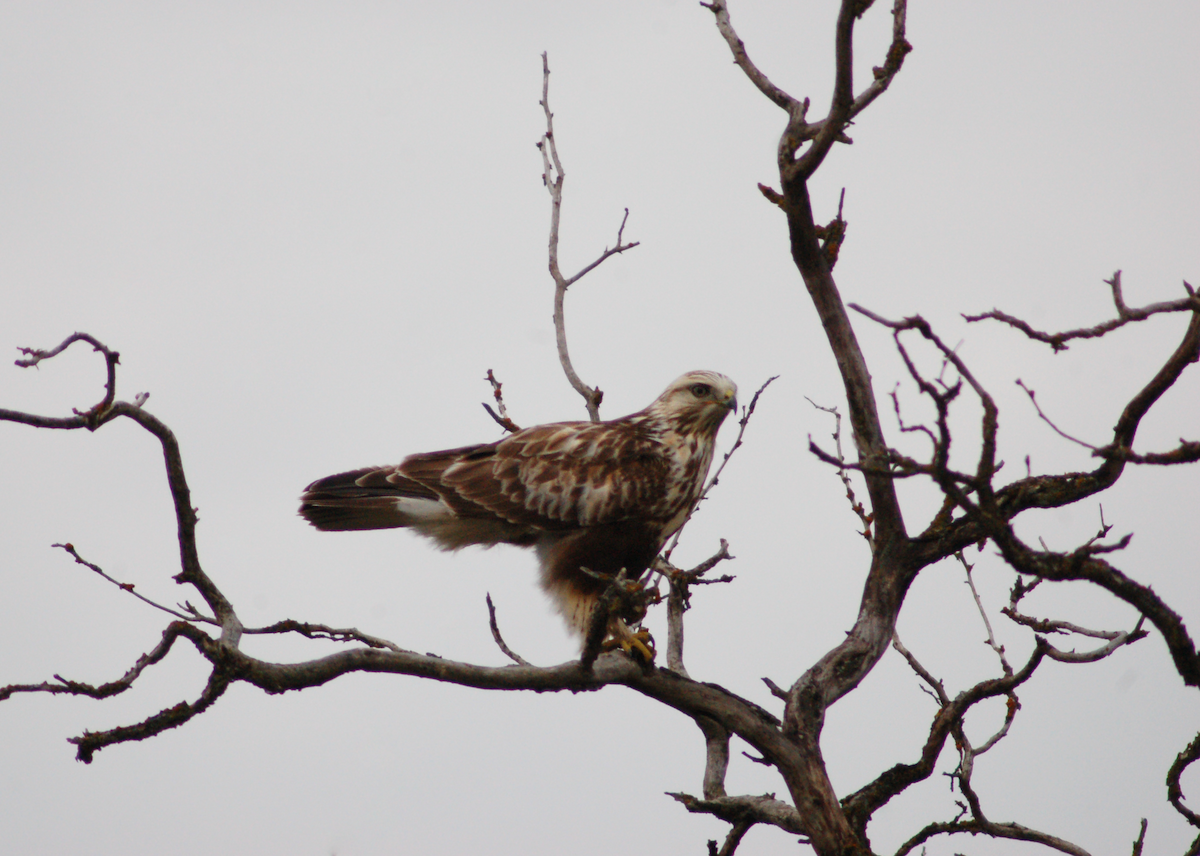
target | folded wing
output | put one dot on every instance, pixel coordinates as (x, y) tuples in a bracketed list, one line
[(547, 479)]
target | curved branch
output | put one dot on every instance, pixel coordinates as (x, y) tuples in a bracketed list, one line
[(864, 802), (93, 417), (185, 514), (721, 12), (1174, 792), (1011, 831)]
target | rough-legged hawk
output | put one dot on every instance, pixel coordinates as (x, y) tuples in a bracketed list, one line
[(592, 498)]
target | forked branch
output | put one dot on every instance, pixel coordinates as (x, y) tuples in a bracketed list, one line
[(844, 106), (1125, 315), (553, 177)]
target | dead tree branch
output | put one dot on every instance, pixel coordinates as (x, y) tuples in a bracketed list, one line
[(508, 652), (553, 177), (1125, 315), (500, 418), (842, 469), (1174, 791), (975, 510)]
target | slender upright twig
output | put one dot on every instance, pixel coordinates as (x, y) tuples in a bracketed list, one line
[(552, 177)]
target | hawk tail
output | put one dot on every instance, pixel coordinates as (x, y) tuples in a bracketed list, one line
[(370, 498)]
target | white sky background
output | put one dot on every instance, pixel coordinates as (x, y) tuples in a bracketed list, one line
[(311, 228)]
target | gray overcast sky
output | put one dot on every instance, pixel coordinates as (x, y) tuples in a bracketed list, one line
[(311, 228)]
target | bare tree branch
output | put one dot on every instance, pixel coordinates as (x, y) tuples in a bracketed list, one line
[(1125, 315), (761, 809), (1141, 839), (501, 418), (844, 106), (840, 463), (185, 514), (721, 11), (1033, 400), (1174, 791), (68, 687), (508, 652), (679, 584), (128, 587), (716, 756), (1010, 831), (862, 804), (732, 840), (322, 631), (553, 177)]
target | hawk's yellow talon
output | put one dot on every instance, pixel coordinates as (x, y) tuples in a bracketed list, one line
[(629, 641)]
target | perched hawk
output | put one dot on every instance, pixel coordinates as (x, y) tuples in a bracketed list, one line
[(600, 496)]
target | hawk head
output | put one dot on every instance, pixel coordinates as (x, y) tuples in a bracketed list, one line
[(698, 401)]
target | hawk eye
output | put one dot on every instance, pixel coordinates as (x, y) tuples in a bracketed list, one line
[(701, 390)]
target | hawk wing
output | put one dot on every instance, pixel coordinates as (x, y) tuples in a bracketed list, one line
[(549, 478), (554, 477)]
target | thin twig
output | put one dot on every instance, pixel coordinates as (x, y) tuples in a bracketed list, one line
[(991, 637), (553, 177), (323, 631), (938, 688), (502, 418), (855, 505), (516, 658), (1033, 399), (128, 587), (1141, 839)]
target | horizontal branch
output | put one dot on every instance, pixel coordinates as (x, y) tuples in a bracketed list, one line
[(741, 809), (1125, 315), (697, 700), (62, 686), (322, 631), (1187, 452), (1011, 831)]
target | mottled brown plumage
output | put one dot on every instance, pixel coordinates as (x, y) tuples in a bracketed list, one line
[(601, 496)]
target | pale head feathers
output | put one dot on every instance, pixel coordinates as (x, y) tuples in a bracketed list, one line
[(697, 400)]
